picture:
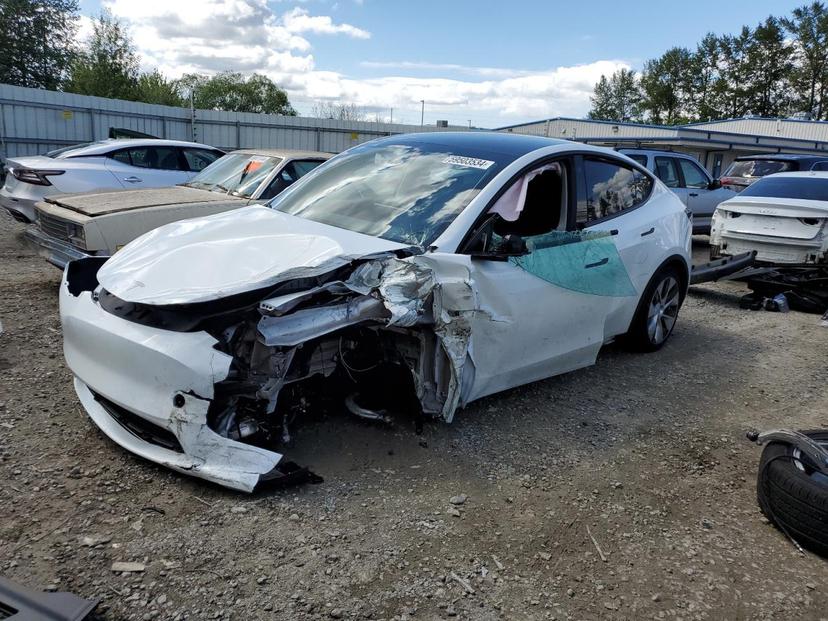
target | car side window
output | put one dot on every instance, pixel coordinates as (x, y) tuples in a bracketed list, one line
[(121, 156), (693, 175), (288, 176), (611, 187), (820, 166), (665, 169), (199, 159), (158, 158), (639, 158)]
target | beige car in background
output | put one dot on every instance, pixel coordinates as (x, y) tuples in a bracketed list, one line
[(74, 226)]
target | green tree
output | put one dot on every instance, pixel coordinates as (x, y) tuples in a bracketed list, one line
[(108, 67), (235, 92), (769, 59), (36, 38), (708, 87), (667, 87), (809, 27), (736, 73), (153, 87), (617, 98)]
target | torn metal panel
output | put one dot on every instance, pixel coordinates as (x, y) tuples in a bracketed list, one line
[(304, 325)]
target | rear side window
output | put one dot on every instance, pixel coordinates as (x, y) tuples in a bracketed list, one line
[(199, 159), (808, 188), (611, 187), (159, 158), (758, 168), (665, 169), (820, 166), (693, 175), (639, 158)]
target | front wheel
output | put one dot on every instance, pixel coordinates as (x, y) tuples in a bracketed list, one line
[(657, 311)]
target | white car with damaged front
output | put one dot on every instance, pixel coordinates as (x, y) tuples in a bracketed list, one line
[(410, 275), (782, 217)]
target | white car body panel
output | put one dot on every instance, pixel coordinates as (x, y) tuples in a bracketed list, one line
[(483, 325), (240, 244), (142, 370)]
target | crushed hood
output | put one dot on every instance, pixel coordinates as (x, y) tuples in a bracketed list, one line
[(114, 201), (213, 257)]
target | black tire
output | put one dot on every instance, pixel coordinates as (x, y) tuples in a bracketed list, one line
[(791, 498), (638, 338)]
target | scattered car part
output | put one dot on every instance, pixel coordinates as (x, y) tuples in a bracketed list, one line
[(18, 603), (805, 288), (792, 485), (421, 272), (721, 268)]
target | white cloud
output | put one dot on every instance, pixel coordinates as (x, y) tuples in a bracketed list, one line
[(208, 36), (298, 20)]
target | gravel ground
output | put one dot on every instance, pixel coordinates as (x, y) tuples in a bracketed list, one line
[(626, 490)]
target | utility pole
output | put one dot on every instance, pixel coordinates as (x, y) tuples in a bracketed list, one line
[(192, 113), (422, 112)]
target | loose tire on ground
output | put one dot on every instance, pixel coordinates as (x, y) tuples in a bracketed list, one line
[(792, 497)]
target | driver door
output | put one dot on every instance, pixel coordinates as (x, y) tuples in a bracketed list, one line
[(541, 313)]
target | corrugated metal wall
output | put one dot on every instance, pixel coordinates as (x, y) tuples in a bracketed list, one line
[(781, 128), (34, 121)]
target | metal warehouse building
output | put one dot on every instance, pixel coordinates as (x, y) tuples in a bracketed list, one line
[(715, 144)]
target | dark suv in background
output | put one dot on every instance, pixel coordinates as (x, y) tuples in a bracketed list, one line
[(749, 168)]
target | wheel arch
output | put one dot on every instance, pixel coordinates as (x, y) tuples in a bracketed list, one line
[(674, 260)]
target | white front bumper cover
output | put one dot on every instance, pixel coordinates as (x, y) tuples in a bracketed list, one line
[(149, 391)]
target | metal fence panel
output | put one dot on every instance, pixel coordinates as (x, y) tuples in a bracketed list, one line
[(34, 121)]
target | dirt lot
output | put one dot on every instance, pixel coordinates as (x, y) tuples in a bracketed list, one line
[(644, 453)]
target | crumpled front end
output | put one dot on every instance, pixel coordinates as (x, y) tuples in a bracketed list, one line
[(216, 389), (150, 389)]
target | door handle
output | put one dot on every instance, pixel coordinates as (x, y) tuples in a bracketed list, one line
[(132, 179), (650, 232), (694, 193), (603, 261)]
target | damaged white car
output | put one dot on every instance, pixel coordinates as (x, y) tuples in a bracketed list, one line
[(410, 275), (782, 217)]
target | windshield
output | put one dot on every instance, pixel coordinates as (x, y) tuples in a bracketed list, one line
[(807, 188), (757, 168), (407, 192), (239, 174)]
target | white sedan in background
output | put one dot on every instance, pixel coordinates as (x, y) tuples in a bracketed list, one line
[(410, 276), (783, 217), (107, 164)]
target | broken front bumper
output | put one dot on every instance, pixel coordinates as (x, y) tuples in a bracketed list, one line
[(149, 390), (54, 250)]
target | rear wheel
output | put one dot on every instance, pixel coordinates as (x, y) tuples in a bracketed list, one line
[(657, 311)]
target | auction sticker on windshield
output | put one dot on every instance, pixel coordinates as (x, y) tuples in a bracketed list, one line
[(470, 162)]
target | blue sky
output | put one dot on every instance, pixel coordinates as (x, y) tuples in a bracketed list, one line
[(493, 63)]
